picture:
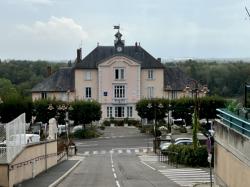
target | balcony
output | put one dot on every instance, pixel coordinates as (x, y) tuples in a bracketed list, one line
[(119, 100), (234, 121)]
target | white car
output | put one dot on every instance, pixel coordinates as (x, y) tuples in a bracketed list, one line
[(165, 146)]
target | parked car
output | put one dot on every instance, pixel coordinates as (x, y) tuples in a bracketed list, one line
[(183, 141), (182, 138), (76, 128), (62, 129)]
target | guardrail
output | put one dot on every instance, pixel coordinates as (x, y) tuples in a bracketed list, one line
[(234, 121)]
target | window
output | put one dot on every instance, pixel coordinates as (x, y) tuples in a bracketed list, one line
[(150, 74), (119, 112), (88, 75), (119, 91), (44, 95), (129, 111), (87, 92), (119, 73), (174, 94), (109, 112), (150, 91)]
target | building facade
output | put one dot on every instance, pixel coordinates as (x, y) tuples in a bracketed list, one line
[(116, 76)]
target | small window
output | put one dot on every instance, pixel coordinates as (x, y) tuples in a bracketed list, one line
[(88, 92), (88, 75), (105, 93), (150, 74), (44, 95)]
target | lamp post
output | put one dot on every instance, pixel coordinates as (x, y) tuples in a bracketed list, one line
[(169, 126), (155, 107)]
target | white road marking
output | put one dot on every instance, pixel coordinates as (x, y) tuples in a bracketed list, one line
[(95, 152), (117, 183), (128, 151), (148, 165), (187, 176)]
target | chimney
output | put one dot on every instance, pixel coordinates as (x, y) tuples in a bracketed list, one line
[(159, 59), (79, 55), (48, 70)]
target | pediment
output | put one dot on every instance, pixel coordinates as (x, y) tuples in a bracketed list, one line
[(119, 60)]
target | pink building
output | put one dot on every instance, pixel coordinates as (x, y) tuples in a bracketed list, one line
[(116, 76)]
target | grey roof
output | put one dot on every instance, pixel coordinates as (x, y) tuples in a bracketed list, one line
[(101, 53), (60, 81), (176, 79)]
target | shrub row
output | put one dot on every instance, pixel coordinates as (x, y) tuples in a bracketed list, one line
[(130, 122), (86, 133), (186, 155)]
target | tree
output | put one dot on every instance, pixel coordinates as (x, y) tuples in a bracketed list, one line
[(154, 112), (7, 89), (85, 112)]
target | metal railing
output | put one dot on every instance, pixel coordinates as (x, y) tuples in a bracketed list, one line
[(234, 121), (169, 157), (13, 139)]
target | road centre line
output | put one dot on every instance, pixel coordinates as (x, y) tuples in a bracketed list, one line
[(117, 183), (148, 165)]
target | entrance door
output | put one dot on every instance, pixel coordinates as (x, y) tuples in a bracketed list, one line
[(119, 112)]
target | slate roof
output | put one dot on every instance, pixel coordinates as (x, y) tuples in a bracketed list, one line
[(101, 53), (60, 81), (176, 79)]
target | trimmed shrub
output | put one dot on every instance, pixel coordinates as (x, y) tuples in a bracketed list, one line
[(86, 133), (106, 123), (186, 155)]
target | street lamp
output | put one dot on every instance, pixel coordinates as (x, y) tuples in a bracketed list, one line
[(149, 106), (169, 126)]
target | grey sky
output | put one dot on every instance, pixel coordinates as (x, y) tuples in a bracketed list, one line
[(53, 29)]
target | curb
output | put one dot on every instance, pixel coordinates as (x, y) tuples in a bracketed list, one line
[(55, 183)]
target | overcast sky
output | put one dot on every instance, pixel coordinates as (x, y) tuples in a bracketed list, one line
[(54, 29)]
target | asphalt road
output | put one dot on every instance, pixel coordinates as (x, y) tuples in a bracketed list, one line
[(113, 161)]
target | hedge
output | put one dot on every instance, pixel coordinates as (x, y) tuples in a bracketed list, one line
[(186, 155)]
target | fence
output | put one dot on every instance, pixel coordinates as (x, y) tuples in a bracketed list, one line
[(169, 157), (12, 139), (242, 125)]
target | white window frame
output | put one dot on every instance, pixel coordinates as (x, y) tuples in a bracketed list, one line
[(150, 92), (88, 75), (119, 73), (109, 112), (129, 111), (119, 91), (44, 95), (88, 92), (150, 74)]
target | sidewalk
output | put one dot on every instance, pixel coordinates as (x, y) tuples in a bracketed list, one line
[(53, 175)]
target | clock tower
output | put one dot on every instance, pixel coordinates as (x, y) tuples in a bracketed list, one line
[(119, 43)]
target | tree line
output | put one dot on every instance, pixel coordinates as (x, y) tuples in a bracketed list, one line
[(224, 79)]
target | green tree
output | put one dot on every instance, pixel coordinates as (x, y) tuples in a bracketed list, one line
[(7, 89), (85, 112), (152, 108)]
